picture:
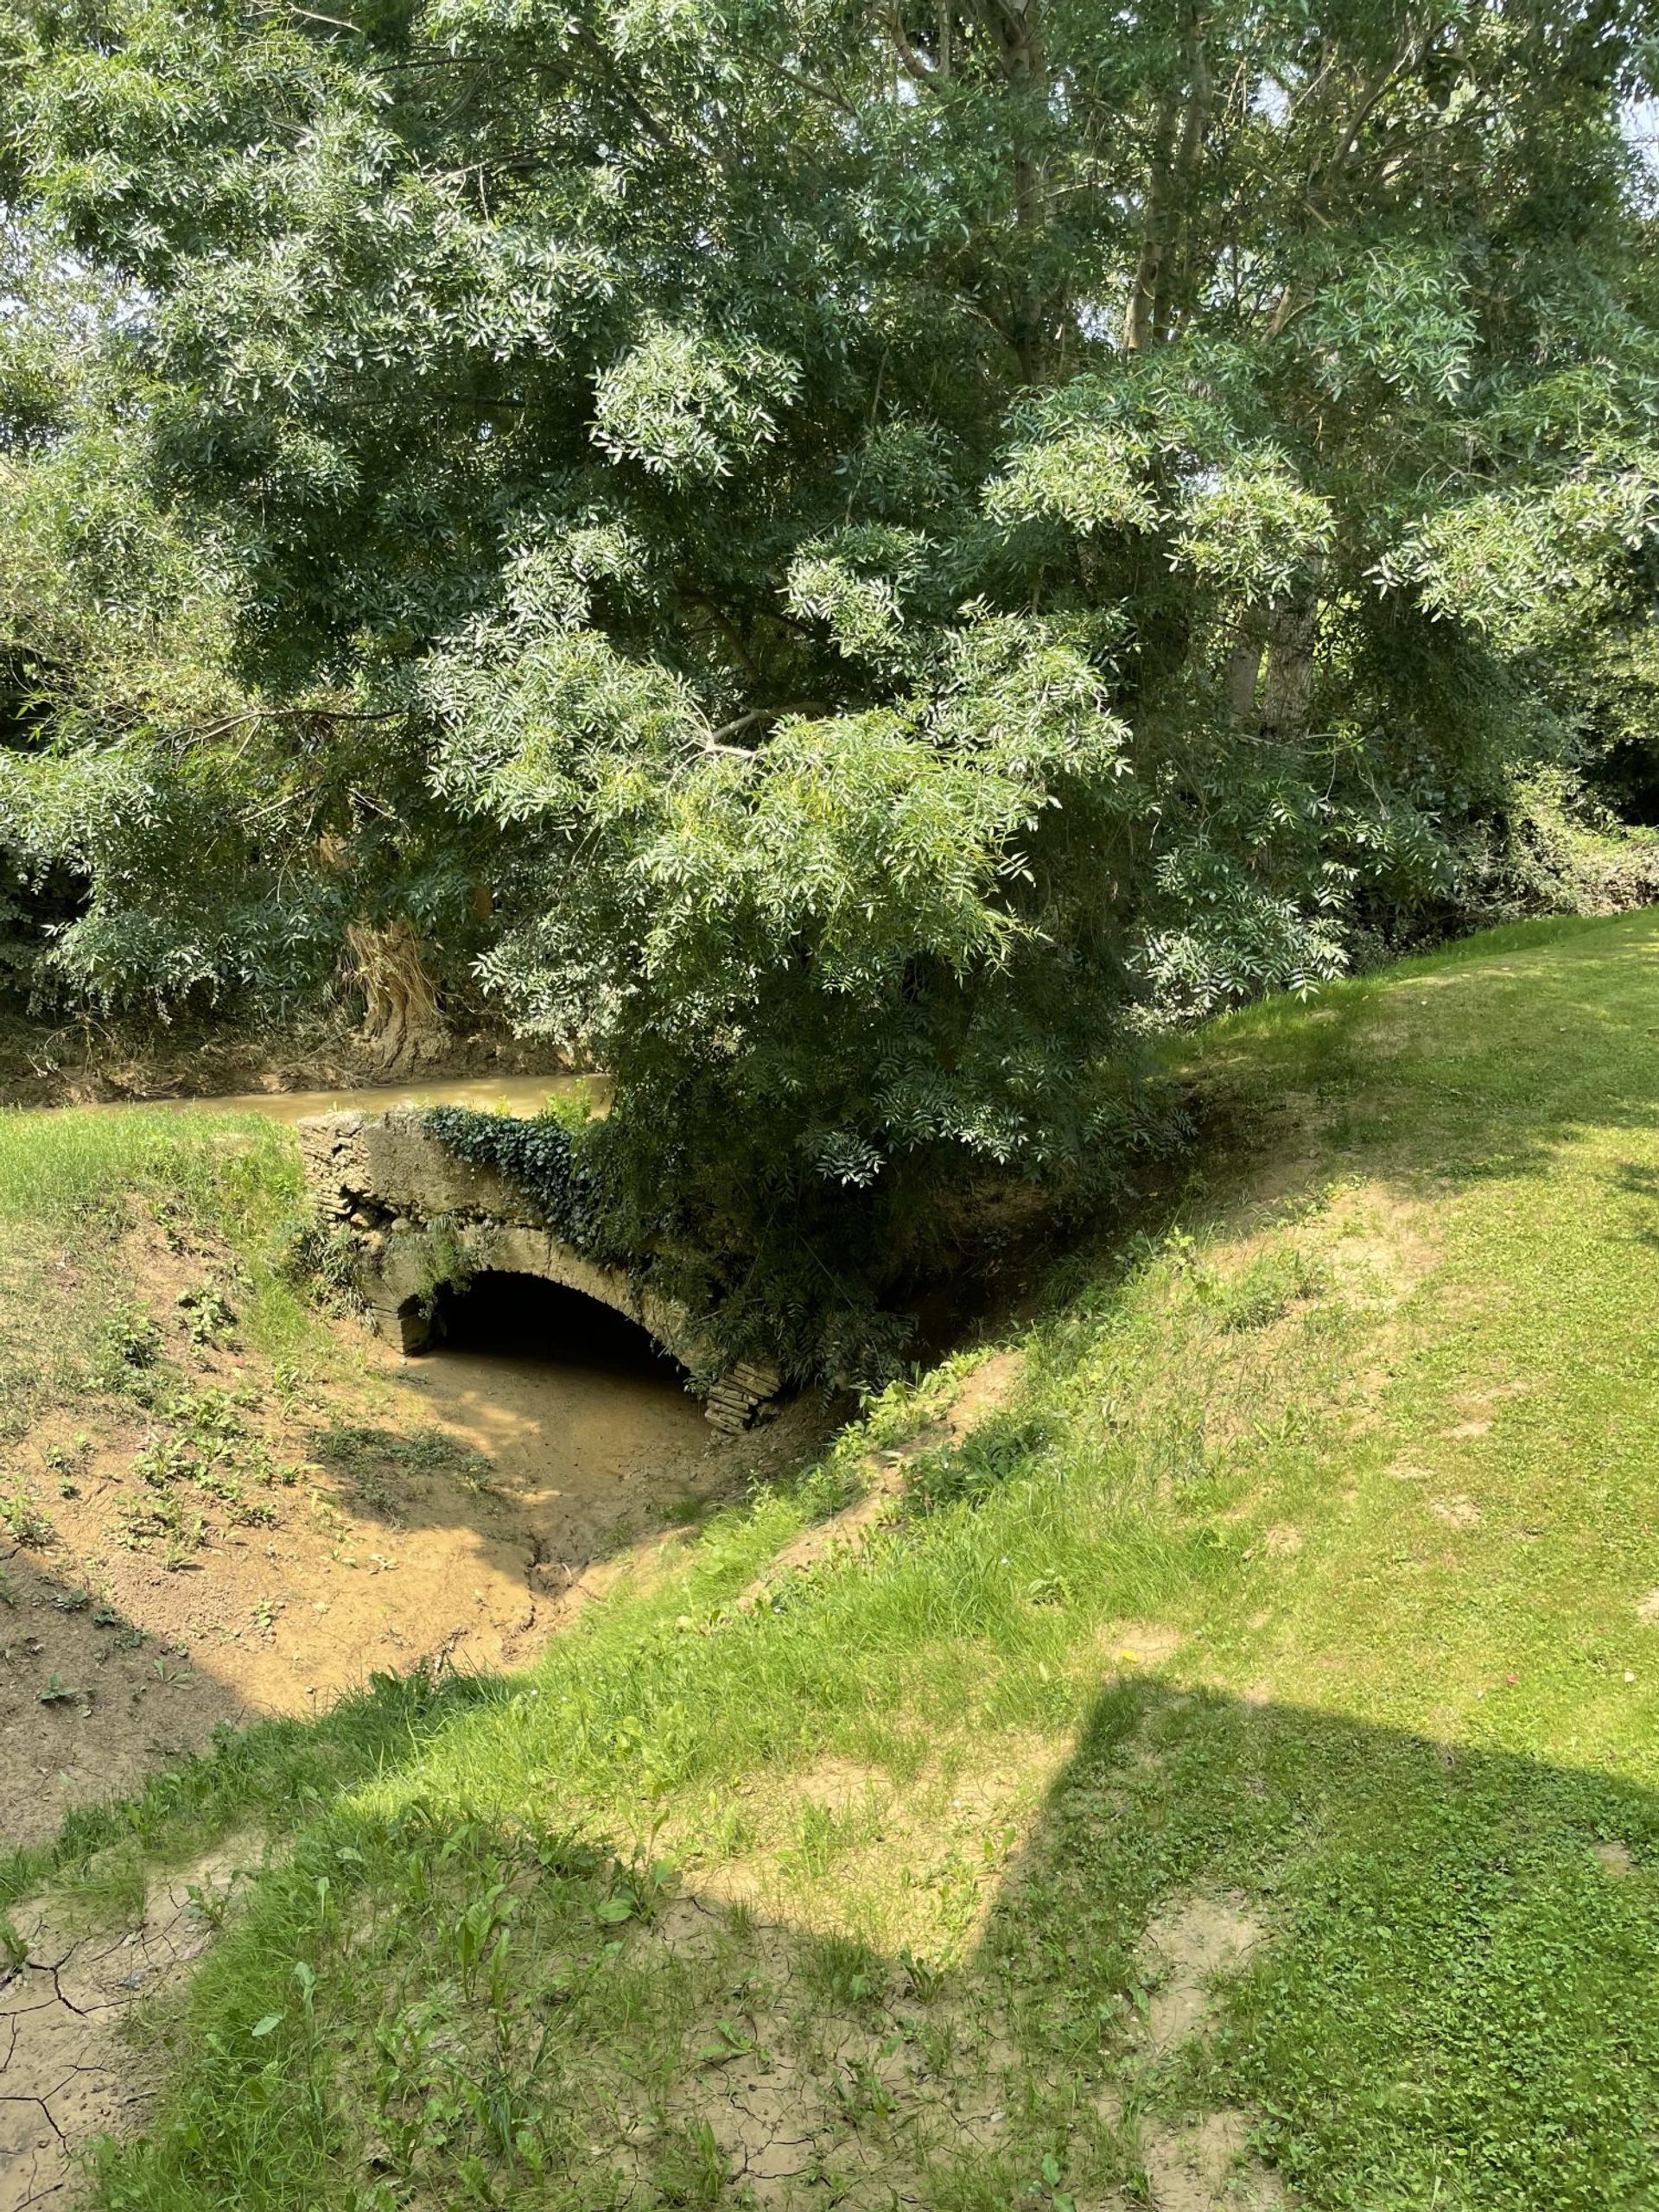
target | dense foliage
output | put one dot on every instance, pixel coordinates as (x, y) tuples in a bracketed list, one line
[(539, 1153), (842, 563)]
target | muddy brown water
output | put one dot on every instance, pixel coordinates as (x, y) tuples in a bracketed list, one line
[(518, 1094)]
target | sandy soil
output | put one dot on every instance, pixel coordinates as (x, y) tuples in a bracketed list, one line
[(458, 1506), (101, 1062), (69, 2069)]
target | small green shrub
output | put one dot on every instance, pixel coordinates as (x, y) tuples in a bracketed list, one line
[(1000, 1449), (132, 1343), (24, 1521), (323, 1263), (1266, 1290), (210, 1319)]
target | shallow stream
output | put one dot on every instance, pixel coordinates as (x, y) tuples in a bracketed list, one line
[(520, 1094)]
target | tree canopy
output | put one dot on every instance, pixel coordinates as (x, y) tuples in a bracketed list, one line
[(845, 562)]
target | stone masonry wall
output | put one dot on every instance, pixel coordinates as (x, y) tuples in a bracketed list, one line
[(384, 1179)]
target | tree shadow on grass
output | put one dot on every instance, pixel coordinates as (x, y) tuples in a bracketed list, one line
[(1480, 1065), (1454, 1999), (1412, 1973)]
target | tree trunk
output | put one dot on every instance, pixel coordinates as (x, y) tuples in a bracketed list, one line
[(1291, 627), (1018, 27), (1149, 313), (1199, 93), (1143, 292), (402, 1025), (1245, 668)]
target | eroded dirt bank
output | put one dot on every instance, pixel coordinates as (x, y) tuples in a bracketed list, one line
[(131, 1061), (256, 1538)]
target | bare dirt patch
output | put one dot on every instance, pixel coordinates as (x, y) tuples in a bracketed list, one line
[(1205, 2163), (988, 1386), (1184, 1951), (789, 2081), (1379, 1245), (884, 2087), (1137, 1643), (89, 1702), (68, 2067), (1208, 2166)]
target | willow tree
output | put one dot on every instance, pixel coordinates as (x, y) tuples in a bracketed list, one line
[(848, 560)]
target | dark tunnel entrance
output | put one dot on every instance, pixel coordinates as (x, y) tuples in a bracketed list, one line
[(584, 1423), (527, 1319)]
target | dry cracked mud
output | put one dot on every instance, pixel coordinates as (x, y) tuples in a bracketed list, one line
[(70, 2068), (788, 2095)]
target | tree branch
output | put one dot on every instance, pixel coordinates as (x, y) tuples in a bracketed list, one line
[(916, 62), (711, 742), (256, 715), (311, 16)]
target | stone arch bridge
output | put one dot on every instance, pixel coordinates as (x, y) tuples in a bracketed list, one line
[(419, 1217)]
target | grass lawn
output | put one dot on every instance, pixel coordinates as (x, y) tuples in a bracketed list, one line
[(1223, 1771)]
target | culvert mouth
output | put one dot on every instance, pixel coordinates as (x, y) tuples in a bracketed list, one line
[(528, 1319)]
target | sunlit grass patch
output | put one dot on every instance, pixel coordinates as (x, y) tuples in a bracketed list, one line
[(78, 1188), (1300, 1583)]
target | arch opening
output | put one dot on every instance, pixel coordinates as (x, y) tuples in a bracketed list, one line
[(579, 1411), (528, 1319)]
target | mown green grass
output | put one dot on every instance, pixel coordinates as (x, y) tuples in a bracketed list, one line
[(1351, 1449)]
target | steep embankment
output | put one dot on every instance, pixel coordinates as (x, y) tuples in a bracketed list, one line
[(1234, 1720)]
